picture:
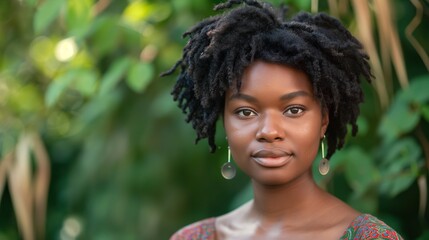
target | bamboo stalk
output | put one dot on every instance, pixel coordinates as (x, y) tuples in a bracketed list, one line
[(314, 6), (4, 168), (364, 25), (333, 8), (41, 184), (384, 28), (20, 188), (410, 29), (392, 39)]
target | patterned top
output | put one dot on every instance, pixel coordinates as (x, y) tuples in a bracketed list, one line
[(364, 227)]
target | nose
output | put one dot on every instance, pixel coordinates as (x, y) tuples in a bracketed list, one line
[(270, 129)]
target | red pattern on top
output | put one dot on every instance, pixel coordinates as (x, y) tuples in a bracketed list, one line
[(201, 230), (364, 227)]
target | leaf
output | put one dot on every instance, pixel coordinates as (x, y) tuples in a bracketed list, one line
[(78, 16), (31, 3), (401, 118), (139, 76), (399, 167), (57, 87), (418, 90), (46, 14), (85, 81), (105, 36), (26, 99), (425, 112), (139, 12), (360, 172), (395, 185), (114, 75), (97, 107), (401, 154), (363, 203), (404, 113)]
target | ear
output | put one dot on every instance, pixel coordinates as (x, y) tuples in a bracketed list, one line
[(325, 122)]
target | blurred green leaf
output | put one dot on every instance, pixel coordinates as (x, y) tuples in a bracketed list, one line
[(363, 203), (401, 118), (57, 87), (400, 154), (139, 11), (85, 81), (418, 90), (361, 173), (395, 185), (26, 99), (78, 16), (95, 109), (46, 14), (31, 2), (404, 113), (105, 35), (114, 74), (399, 166), (425, 112), (139, 76)]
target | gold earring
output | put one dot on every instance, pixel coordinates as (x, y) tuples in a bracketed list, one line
[(228, 170), (324, 163)]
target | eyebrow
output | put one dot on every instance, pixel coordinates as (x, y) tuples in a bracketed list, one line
[(284, 97)]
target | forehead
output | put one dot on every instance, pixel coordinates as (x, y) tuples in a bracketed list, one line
[(273, 77)]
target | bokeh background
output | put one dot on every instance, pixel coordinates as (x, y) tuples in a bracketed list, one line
[(93, 147)]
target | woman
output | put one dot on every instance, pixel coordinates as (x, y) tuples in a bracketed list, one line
[(283, 88)]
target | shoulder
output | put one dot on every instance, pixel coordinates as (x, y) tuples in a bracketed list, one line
[(366, 226), (201, 230)]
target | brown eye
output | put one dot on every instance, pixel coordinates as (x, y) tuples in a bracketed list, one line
[(246, 113), (294, 111)]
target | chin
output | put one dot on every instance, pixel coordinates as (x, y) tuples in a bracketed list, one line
[(272, 178)]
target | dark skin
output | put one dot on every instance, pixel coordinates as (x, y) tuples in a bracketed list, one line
[(274, 126)]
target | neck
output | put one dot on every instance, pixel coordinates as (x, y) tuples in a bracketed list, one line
[(296, 200)]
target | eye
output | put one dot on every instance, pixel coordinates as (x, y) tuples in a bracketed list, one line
[(245, 113), (294, 111)]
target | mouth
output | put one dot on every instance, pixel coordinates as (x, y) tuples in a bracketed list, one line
[(271, 158)]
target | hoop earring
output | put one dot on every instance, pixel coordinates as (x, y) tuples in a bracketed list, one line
[(228, 170), (324, 163)]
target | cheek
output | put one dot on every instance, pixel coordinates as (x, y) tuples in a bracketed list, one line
[(236, 128), (239, 137), (307, 141)]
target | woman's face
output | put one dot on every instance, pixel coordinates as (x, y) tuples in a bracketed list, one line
[(274, 123)]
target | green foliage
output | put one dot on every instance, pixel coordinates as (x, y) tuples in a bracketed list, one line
[(46, 14), (406, 110), (85, 75)]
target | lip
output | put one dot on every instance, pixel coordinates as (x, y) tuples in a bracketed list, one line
[(271, 158)]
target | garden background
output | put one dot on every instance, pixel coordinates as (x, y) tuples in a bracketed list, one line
[(93, 147)]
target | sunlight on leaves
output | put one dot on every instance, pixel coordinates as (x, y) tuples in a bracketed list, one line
[(142, 11)]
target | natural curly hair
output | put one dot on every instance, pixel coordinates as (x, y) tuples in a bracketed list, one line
[(221, 47)]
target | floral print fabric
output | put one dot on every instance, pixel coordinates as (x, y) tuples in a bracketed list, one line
[(364, 227)]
